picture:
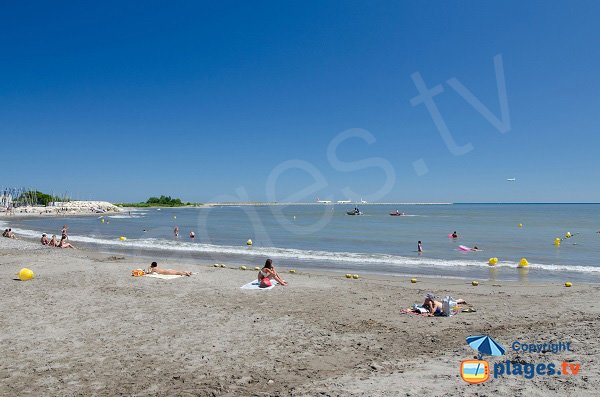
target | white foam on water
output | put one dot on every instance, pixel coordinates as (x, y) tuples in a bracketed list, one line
[(304, 255)]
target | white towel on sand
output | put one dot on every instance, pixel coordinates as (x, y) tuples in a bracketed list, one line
[(256, 285), (163, 276)]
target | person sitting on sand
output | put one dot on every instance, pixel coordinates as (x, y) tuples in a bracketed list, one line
[(5, 234), (9, 233), (269, 272), (64, 244), (44, 239), (435, 307), (155, 269), (53, 242)]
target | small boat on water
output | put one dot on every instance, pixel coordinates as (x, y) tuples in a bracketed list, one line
[(397, 213), (355, 211)]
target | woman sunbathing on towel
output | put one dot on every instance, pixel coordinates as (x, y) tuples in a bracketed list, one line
[(155, 269), (435, 307), (64, 244), (269, 272)]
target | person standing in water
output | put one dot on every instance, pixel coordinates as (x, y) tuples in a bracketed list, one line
[(176, 231), (419, 247)]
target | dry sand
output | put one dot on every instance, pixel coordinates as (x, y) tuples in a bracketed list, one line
[(84, 326)]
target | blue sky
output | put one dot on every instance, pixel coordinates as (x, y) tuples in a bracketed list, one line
[(123, 100)]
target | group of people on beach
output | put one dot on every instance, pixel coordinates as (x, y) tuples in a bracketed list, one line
[(63, 243), (8, 233), (268, 272)]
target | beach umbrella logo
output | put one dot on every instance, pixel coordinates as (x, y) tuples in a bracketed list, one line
[(485, 345), (478, 371)]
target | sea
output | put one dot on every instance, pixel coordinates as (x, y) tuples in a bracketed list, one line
[(324, 237)]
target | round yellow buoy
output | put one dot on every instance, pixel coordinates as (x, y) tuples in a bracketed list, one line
[(249, 242), (122, 238), (348, 275), (413, 280), (568, 284), (523, 262), (355, 276), (520, 225), (493, 261), (25, 274), (557, 241), (256, 267), (568, 235), (292, 271), (474, 283), (243, 268)]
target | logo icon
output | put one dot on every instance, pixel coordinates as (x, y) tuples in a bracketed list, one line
[(474, 371), (478, 371)]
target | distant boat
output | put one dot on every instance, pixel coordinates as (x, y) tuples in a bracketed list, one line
[(344, 201), (323, 201), (355, 211), (511, 179), (363, 201)]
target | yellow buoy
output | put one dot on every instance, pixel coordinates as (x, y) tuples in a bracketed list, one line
[(493, 261), (292, 271), (26, 274), (568, 284), (249, 242), (348, 275), (568, 235), (523, 262), (520, 225), (355, 276), (256, 267), (243, 267), (557, 242), (122, 238), (413, 280), (102, 220), (474, 283)]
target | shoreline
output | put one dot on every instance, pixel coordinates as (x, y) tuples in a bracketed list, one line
[(100, 329)]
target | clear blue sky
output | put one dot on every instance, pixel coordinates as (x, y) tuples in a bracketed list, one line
[(123, 100)]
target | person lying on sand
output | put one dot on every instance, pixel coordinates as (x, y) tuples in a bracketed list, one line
[(64, 244), (435, 307), (44, 239), (269, 272), (155, 269)]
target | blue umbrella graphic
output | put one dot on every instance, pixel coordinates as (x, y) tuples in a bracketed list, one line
[(485, 345)]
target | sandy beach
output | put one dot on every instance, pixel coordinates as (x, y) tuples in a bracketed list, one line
[(85, 326)]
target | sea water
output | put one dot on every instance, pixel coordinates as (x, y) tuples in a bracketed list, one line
[(321, 236)]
